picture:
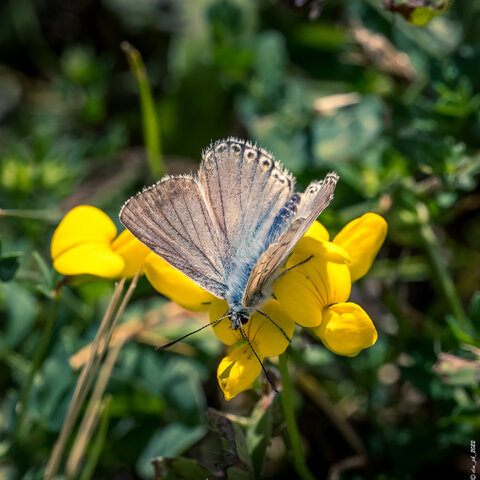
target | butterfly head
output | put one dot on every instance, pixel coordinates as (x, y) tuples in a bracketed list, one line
[(238, 317)]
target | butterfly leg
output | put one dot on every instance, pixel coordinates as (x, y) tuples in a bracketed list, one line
[(295, 266), (244, 335), (276, 324)]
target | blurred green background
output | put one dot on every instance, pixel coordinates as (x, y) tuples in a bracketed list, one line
[(344, 85)]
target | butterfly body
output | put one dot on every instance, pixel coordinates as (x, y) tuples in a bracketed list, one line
[(231, 228)]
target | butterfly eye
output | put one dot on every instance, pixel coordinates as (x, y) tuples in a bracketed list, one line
[(250, 154), (221, 148), (236, 148), (312, 190)]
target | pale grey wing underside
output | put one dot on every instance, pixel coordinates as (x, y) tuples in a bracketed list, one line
[(313, 201), (245, 188), (174, 221)]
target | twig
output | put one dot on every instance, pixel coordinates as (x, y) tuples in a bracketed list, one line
[(82, 387), (357, 461), (314, 391), (93, 413)]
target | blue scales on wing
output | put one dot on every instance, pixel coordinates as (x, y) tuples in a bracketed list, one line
[(251, 199), (310, 205)]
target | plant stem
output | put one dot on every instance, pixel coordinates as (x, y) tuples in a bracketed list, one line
[(292, 428), (444, 280), (151, 127), (83, 384), (50, 216), (98, 442), (92, 414)]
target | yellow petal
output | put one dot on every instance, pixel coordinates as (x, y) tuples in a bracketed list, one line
[(90, 258), (265, 337), (318, 231), (83, 224), (218, 308), (175, 285), (346, 329), (362, 239), (316, 234), (132, 251), (307, 289), (237, 371)]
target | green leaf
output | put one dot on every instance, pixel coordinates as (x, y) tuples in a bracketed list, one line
[(474, 310), (459, 333), (21, 310), (51, 391), (46, 270), (236, 473), (9, 264), (179, 469), (349, 132), (171, 441), (417, 12), (258, 433), (236, 452)]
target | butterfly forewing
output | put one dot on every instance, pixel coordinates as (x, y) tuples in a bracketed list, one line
[(245, 188), (313, 201), (174, 221)]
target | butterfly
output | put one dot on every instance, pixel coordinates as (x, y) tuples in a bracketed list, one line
[(231, 227)]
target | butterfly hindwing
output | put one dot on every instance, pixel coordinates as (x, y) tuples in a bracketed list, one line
[(312, 202)]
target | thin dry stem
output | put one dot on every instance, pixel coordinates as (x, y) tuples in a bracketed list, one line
[(92, 415), (315, 392), (82, 387)]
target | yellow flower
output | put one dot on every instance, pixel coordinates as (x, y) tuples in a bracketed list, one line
[(314, 294), (362, 239), (346, 329), (239, 369), (84, 243), (313, 290), (175, 285), (322, 284), (308, 288)]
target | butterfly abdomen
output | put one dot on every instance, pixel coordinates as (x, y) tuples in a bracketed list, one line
[(241, 268), (283, 218)]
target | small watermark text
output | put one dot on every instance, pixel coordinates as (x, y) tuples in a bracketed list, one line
[(473, 458)]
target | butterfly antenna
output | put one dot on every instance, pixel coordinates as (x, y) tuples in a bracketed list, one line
[(295, 266), (244, 335), (277, 325), (168, 345)]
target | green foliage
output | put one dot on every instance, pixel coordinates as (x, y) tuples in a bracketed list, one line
[(391, 105)]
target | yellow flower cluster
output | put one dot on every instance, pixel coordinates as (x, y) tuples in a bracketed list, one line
[(313, 294)]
